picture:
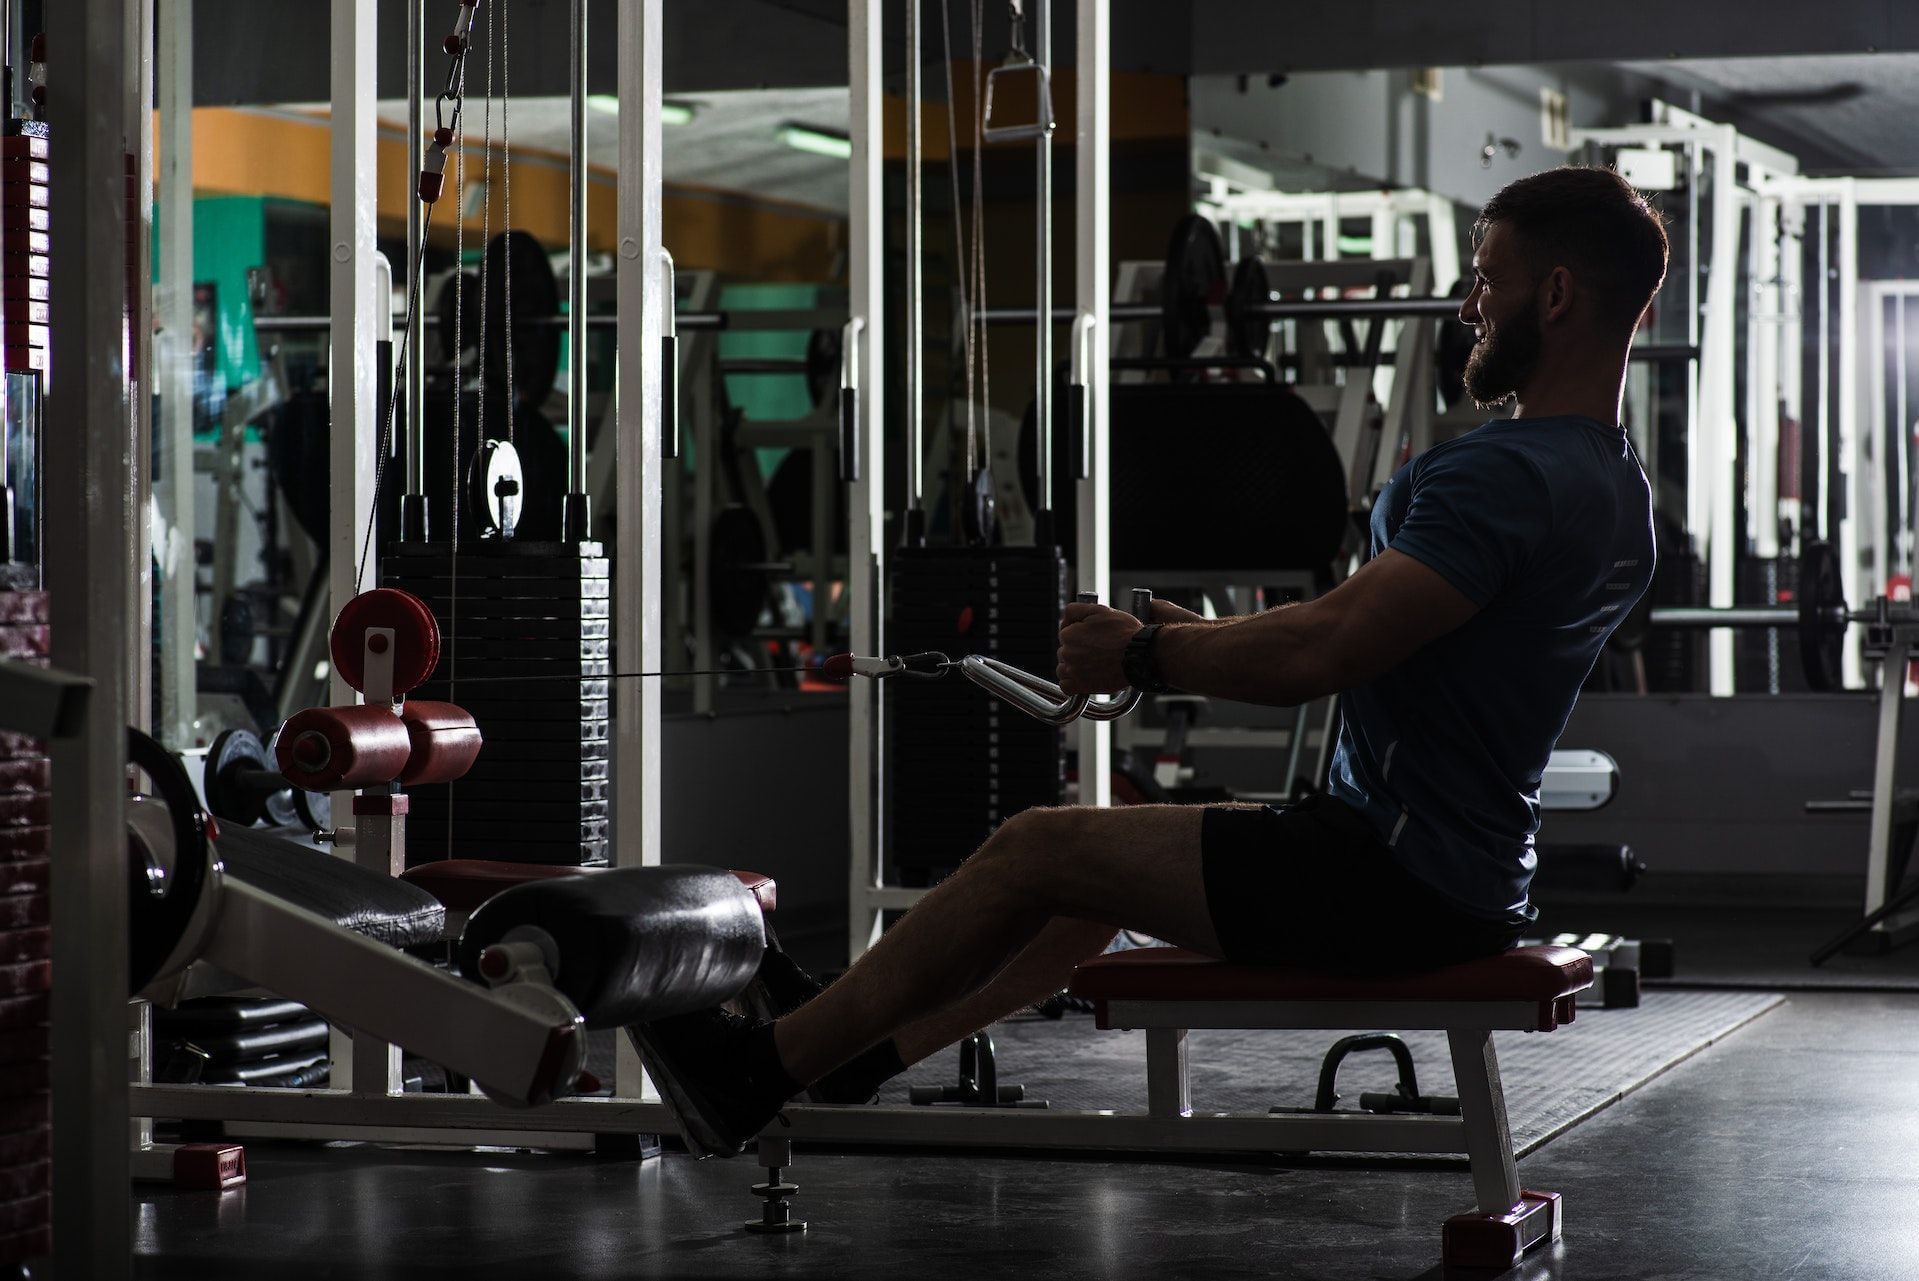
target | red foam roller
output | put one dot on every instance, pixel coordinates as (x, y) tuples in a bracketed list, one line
[(445, 741), (326, 749), (416, 637)]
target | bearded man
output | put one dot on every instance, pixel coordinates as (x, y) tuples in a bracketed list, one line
[(1500, 563)]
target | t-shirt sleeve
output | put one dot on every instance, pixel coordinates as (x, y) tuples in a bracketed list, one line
[(1476, 515)]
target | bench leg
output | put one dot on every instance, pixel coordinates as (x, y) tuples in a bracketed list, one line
[(1168, 1091), (1509, 1221)]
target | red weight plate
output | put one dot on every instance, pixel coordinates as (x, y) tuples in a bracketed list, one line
[(23, 1247), (25, 945), (29, 1112), (23, 607), (25, 809), (24, 147), (29, 775), (23, 1044), (21, 359), (20, 218), (32, 1143), (17, 843), (24, 1181), (24, 980), (416, 637), (30, 288), (25, 876), (24, 640), (21, 911), (24, 1077), (17, 1216)]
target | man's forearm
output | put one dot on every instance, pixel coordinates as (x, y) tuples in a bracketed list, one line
[(1277, 658)]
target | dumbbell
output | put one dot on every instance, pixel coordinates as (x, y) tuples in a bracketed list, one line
[(243, 787)]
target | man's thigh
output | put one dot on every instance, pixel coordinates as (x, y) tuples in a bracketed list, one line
[(1134, 867)]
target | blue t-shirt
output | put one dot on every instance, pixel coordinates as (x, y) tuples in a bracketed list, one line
[(1546, 524)]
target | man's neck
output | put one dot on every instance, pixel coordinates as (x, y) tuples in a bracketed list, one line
[(1592, 390)]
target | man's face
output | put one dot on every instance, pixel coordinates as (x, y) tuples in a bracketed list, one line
[(1503, 310)]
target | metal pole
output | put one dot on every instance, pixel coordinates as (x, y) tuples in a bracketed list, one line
[(178, 629), (87, 528), (1718, 422), (578, 517), (359, 312), (1851, 358), (413, 406), (1042, 37), (916, 282), (1093, 207), (640, 492), (866, 493), (139, 196)]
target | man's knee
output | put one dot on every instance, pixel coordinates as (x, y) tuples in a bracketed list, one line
[(1031, 850)]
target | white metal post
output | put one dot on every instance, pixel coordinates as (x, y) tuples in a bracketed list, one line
[(1762, 378), (87, 528), (179, 632), (866, 493), (1716, 427), (1851, 361), (359, 313), (1791, 331), (1093, 208), (641, 300), (139, 197)]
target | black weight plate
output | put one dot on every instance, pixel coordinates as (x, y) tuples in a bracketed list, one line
[(505, 650), (535, 774), (509, 714), (506, 833), (489, 809), (1193, 284), (496, 609), (514, 559), (462, 627), (501, 694), (1822, 599), (1247, 334), (475, 666), (498, 754), (558, 593)]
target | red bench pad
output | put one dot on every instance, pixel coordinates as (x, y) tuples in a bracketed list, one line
[(462, 884), (1543, 974)]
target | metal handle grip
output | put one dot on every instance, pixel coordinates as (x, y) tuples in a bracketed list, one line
[(850, 399), (669, 396)]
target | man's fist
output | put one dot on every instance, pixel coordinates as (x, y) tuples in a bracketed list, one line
[(1092, 640)]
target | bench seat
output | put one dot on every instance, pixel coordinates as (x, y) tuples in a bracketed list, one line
[(1166, 991)]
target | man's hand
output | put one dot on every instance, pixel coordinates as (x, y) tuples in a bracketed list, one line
[(1164, 611), (1092, 640)]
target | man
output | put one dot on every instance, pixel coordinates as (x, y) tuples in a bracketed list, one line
[(1501, 562)]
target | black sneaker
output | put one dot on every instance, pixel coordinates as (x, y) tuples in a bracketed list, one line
[(786, 986), (700, 1062)]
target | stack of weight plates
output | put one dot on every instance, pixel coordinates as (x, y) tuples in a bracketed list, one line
[(237, 1040), (962, 761), (26, 946), (539, 614), (24, 250)]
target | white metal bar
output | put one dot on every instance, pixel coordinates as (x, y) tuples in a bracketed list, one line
[(878, 1126), (1852, 359), (576, 257), (414, 405), (1762, 377), (87, 519), (1403, 1015), (1717, 425), (178, 621), (1093, 209), (1872, 445), (139, 615), (1482, 1107), (1883, 872), (637, 564), (1168, 1087), (1791, 333), (866, 494)]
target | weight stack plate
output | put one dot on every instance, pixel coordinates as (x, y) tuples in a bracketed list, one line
[(26, 945), (962, 761), (525, 646)]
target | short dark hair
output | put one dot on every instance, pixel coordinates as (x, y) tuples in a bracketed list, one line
[(1591, 221)]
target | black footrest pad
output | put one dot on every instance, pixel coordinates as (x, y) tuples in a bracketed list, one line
[(380, 907)]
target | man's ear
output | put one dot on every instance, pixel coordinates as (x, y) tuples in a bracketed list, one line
[(1556, 295)]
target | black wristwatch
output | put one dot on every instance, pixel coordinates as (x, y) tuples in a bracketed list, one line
[(1142, 671)]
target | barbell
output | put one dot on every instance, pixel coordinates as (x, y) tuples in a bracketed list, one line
[(1820, 616)]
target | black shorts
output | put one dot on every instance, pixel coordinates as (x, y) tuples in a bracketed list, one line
[(1313, 886)]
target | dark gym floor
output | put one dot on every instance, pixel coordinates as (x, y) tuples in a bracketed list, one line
[(1782, 1151)]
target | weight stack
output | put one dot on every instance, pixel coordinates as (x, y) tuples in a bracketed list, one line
[(26, 947), (24, 248), (963, 761), (227, 1040), (538, 792)]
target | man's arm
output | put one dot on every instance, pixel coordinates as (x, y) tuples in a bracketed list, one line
[(1366, 626)]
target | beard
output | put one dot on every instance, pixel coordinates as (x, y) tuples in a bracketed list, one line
[(1504, 360)]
